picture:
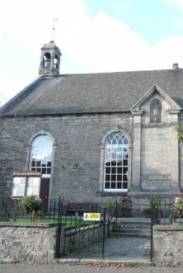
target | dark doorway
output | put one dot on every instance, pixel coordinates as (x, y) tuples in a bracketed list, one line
[(44, 193)]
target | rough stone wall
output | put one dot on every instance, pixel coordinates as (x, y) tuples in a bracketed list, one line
[(167, 243), (27, 244), (77, 157)]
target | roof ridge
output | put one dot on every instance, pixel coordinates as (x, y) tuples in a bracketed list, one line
[(121, 72)]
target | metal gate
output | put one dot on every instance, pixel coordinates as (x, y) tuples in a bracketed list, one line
[(79, 236)]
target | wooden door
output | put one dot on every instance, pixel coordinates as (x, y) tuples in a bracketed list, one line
[(44, 193)]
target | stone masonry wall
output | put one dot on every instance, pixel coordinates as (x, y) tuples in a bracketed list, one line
[(181, 153), (27, 243), (168, 241), (77, 153), (159, 150), (35, 243)]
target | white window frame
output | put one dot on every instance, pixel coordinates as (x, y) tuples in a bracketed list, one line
[(26, 179), (36, 168), (126, 146)]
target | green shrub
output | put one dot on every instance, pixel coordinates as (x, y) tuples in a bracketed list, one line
[(178, 209), (153, 207), (154, 202), (31, 204), (109, 207)]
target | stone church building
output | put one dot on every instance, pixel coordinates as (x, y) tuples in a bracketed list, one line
[(94, 136)]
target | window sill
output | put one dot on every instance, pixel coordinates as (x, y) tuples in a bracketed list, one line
[(112, 193)]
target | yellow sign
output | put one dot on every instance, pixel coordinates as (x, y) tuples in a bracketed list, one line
[(95, 216)]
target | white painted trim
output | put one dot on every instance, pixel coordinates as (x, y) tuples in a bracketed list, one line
[(102, 156), (41, 133)]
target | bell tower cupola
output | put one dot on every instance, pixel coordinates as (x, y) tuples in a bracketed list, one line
[(50, 60)]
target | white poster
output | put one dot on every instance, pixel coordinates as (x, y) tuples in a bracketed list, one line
[(33, 186), (19, 184)]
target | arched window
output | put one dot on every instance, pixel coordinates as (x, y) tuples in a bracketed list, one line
[(155, 111), (46, 60), (56, 62), (116, 163), (41, 155)]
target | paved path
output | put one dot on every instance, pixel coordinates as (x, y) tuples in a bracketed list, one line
[(127, 248), (83, 269)]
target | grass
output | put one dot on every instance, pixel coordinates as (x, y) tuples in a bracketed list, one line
[(68, 222)]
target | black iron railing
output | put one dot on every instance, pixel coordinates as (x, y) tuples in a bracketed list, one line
[(75, 236)]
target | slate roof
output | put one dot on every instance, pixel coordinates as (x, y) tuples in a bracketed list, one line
[(92, 93)]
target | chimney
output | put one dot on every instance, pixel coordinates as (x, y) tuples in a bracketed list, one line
[(175, 66)]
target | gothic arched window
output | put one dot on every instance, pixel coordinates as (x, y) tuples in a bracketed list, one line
[(155, 111), (41, 154), (116, 163)]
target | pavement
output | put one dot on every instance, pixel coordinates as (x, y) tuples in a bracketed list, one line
[(127, 248), (95, 268)]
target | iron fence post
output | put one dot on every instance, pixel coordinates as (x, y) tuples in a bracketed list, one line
[(152, 223), (104, 232), (58, 229)]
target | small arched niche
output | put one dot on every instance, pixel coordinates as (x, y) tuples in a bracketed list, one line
[(155, 111)]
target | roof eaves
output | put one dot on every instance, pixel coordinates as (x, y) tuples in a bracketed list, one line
[(23, 115)]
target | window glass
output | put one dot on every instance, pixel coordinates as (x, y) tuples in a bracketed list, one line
[(116, 163), (41, 154)]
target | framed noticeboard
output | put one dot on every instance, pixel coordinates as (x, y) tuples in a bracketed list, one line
[(26, 184)]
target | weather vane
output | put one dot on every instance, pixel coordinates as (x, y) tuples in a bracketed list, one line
[(54, 20)]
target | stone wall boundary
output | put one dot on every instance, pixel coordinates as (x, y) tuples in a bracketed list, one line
[(168, 242), (35, 243), (27, 243)]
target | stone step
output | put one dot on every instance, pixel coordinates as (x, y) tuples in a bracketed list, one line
[(131, 226), (132, 229), (131, 233)]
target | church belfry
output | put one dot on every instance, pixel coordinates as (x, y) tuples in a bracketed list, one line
[(50, 60)]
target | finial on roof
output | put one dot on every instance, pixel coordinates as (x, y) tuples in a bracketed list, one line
[(54, 20)]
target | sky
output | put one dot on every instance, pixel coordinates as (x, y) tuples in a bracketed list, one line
[(93, 35)]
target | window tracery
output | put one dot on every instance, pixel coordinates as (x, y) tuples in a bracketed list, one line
[(116, 163)]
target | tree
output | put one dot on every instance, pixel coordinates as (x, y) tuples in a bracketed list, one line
[(31, 204)]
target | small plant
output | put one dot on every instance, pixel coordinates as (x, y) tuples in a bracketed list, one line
[(109, 213), (31, 204), (178, 208), (153, 206), (154, 202), (109, 210), (179, 133)]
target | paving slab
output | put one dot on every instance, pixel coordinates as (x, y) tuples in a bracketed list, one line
[(94, 268), (127, 248)]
